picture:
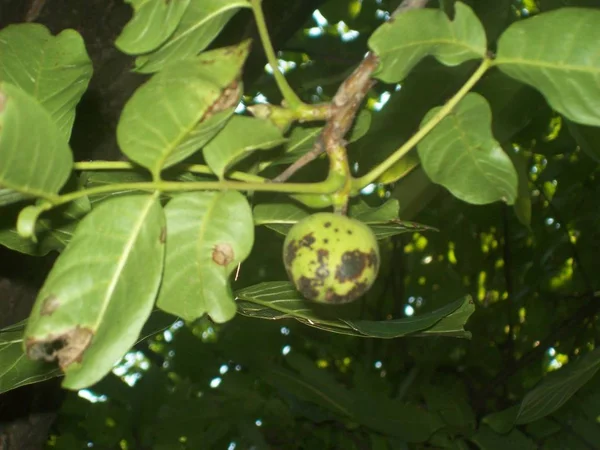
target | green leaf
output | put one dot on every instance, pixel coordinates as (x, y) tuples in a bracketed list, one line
[(36, 164), (100, 291), (55, 70), (558, 387), (208, 234), (16, 369), (522, 206), (181, 108), (279, 300), (280, 217), (487, 439), (452, 325), (588, 139), (97, 178), (152, 23), (554, 53), (202, 21), (461, 154), (404, 41), (238, 139)]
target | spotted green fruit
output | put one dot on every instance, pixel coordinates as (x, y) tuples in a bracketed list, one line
[(331, 258)]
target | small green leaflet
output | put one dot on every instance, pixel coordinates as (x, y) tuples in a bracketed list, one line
[(556, 53), (93, 306), (208, 234), (238, 139), (279, 300), (55, 70), (36, 164), (461, 154), (181, 108), (405, 40), (152, 23), (201, 22)]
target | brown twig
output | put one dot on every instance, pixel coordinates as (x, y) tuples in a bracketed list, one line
[(34, 10), (345, 104)]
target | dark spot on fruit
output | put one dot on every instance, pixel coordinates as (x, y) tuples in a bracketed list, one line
[(327, 224), (322, 271), (163, 235), (50, 305), (352, 265), (326, 241), (307, 288), (290, 253), (222, 254), (372, 259), (337, 230), (307, 241), (358, 290), (349, 231)]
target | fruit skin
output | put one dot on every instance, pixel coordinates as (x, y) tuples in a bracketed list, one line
[(331, 258)]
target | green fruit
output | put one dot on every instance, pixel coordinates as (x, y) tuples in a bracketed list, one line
[(331, 258)]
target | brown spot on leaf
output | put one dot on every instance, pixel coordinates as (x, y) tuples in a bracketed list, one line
[(163, 235), (222, 254), (50, 304), (67, 347), (228, 99), (2, 101)]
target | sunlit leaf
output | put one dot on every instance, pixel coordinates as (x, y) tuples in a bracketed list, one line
[(181, 108), (208, 234), (238, 139), (404, 41), (555, 52), (113, 248), (36, 164), (55, 70), (461, 154), (152, 23), (201, 22)]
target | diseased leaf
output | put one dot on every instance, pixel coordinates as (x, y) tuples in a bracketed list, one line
[(555, 52), (461, 154), (405, 40), (92, 306), (152, 23), (36, 164), (238, 139), (201, 22), (279, 300), (16, 369), (208, 234), (55, 70), (181, 108)]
